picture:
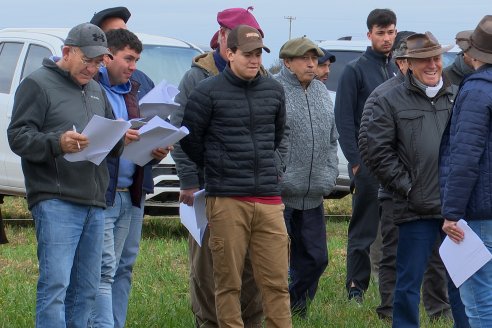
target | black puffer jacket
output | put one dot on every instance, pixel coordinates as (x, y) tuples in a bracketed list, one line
[(403, 139), (235, 127)]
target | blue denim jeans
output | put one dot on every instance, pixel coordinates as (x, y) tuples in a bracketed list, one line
[(70, 239), (476, 291), (415, 243), (123, 277), (117, 220)]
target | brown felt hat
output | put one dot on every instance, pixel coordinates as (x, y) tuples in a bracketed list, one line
[(424, 45), (478, 42)]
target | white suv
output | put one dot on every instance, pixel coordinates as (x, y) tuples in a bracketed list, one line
[(22, 51)]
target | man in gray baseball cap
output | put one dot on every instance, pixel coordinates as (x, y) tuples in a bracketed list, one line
[(90, 39), (50, 106)]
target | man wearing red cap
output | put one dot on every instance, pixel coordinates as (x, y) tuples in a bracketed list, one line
[(202, 288)]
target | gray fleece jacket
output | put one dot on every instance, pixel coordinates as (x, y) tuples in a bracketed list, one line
[(48, 103), (311, 159)]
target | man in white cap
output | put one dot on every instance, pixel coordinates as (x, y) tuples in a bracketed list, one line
[(465, 166), (66, 199)]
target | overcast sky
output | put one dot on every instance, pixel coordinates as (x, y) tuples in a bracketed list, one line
[(195, 21)]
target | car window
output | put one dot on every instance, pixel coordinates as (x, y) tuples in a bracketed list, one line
[(34, 59), (336, 69), (9, 56), (166, 63)]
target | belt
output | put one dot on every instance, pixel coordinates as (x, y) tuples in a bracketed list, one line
[(122, 189)]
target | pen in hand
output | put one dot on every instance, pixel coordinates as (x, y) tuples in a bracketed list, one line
[(75, 130)]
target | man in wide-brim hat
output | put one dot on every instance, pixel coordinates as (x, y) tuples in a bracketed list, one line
[(404, 136), (465, 180), (425, 61)]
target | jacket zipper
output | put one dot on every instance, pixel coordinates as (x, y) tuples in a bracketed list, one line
[(312, 148), (84, 99), (253, 138)]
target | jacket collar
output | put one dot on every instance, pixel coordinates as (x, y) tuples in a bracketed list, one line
[(411, 85), (50, 63), (377, 55), (290, 77), (235, 80)]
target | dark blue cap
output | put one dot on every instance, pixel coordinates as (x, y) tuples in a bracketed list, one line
[(328, 56)]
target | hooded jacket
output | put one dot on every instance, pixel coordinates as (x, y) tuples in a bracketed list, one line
[(311, 160), (404, 137), (142, 177), (47, 104), (466, 151)]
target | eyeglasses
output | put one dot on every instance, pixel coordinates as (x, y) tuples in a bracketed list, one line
[(89, 62)]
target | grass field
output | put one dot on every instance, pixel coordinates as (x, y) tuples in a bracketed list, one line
[(160, 289)]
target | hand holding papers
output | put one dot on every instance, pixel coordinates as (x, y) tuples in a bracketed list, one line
[(159, 101), (464, 259), (156, 133), (103, 134), (194, 218)]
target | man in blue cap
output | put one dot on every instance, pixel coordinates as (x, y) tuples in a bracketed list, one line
[(322, 71)]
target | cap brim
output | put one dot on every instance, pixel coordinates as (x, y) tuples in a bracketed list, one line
[(253, 46), (95, 51), (463, 39), (327, 56)]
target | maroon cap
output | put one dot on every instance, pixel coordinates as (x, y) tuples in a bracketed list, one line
[(232, 17)]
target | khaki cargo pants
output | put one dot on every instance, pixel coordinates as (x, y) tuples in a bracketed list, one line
[(236, 228)]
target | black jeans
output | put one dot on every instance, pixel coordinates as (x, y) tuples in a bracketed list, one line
[(363, 228), (308, 253)]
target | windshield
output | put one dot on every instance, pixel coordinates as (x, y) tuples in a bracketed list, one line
[(166, 63)]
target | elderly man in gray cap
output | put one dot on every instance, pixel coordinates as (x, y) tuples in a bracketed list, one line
[(465, 166), (66, 199), (311, 168), (403, 137)]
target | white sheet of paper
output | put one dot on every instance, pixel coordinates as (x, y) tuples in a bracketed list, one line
[(156, 133), (464, 259), (159, 101), (103, 134), (194, 217)]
